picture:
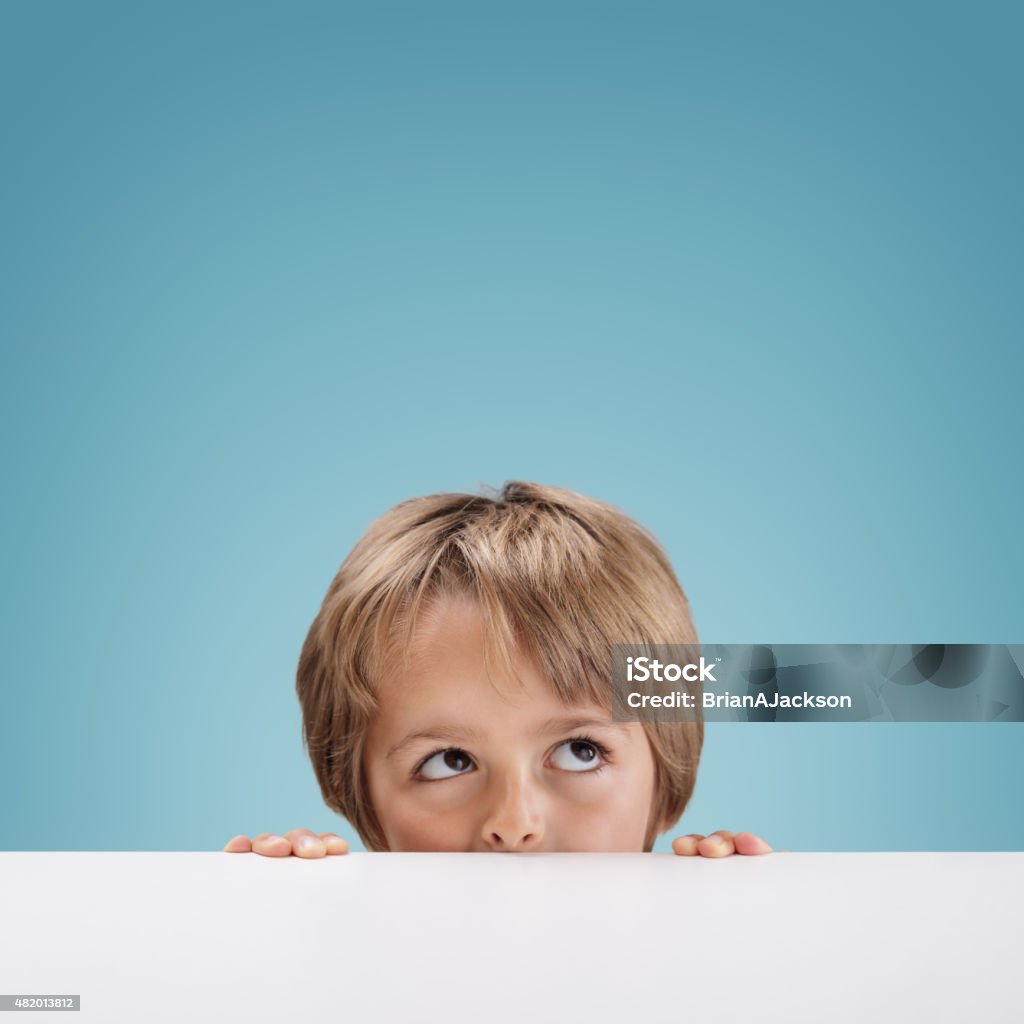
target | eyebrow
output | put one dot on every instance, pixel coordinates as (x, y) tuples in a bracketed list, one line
[(556, 725), (447, 734)]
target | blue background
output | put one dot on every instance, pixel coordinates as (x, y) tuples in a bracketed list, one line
[(750, 271)]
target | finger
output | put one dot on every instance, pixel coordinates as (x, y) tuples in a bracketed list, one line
[(686, 846), (240, 844), (291, 836), (306, 843), (271, 846), (335, 844), (750, 845), (718, 844)]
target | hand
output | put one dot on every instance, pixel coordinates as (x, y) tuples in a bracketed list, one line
[(720, 844), (300, 841)]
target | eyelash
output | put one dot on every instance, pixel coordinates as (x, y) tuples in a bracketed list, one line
[(606, 758)]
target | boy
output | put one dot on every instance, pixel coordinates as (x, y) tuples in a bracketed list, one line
[(455, 688)]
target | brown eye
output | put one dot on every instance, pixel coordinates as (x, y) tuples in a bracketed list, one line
[(446, 764), (457, 760), (577, 756)]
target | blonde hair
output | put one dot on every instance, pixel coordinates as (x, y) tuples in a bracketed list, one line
[(558, 577)]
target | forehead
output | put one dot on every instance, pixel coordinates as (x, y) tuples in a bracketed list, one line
[(452, 663)]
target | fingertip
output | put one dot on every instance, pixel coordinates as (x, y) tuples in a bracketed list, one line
[(750, 845), (685, 846), (715, 846), (309, 847), (334, 843), (272, 846), (240, 844)]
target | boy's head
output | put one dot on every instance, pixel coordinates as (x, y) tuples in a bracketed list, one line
[(456, 682)]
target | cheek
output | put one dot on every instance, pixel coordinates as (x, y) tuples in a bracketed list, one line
[(425, 818), (606, 813)]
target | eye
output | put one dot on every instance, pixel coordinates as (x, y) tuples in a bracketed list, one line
[(445, 764), (578, 756)]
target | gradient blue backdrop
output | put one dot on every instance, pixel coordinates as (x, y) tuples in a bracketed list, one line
[(750, 271)]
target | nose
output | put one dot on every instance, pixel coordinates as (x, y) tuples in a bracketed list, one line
[(514, 822)]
